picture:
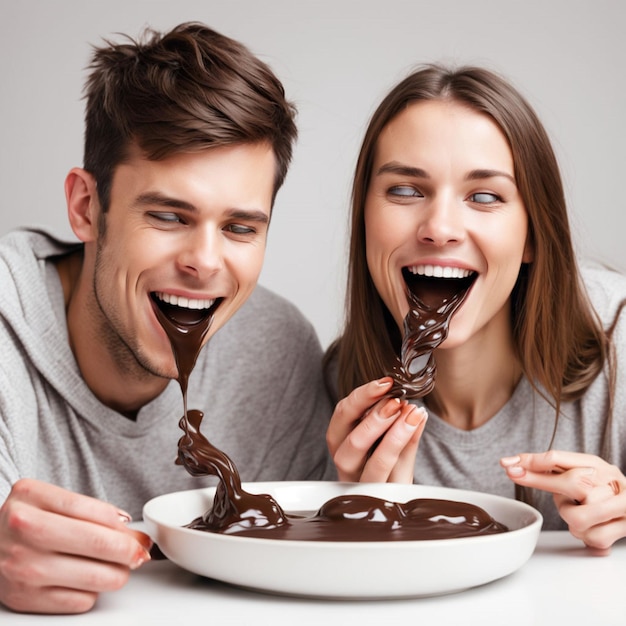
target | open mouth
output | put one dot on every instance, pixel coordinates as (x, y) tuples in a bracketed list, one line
[(434, 295), (186, 322), (431, 287), (184, 312)]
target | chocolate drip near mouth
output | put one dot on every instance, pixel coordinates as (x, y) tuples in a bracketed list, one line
[(432, 303), (186, 329)]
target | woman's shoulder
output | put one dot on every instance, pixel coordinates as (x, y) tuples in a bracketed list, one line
[(606, 288)]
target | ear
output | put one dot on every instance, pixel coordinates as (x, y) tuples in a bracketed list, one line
[(82, 204)]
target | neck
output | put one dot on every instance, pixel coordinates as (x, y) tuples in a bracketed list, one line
[(109, 369), (475, 380)]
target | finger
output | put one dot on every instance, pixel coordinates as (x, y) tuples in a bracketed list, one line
[(400, 437), (556, 461), (598, 551), (67, 503), (598, 536), (143, 538), (576, 484), (537, 470), (50, 600), (601, 537), (38, 570), (602, 492), (601, 507), (351, 455), (46, 532), (404, 469), (351, 409)]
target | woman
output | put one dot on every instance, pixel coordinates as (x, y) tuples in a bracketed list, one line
[(457, 184)]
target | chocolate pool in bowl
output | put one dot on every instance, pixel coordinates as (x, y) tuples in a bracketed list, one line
[(344, 569)]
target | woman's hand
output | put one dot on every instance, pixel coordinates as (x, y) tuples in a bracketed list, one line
[(59, 550), (589, 493), (374, 439)]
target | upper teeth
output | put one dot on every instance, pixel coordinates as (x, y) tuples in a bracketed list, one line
[(188, 303), (439, 271)]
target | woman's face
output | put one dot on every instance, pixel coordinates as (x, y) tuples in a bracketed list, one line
[(443, 202)]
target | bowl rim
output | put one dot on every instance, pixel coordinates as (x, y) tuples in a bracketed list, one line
[(533, 526)]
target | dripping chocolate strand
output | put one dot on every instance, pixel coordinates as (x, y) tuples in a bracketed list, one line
[(426, 327)]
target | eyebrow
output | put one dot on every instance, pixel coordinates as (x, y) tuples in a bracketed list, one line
[(394, 167), (249, 215), (480, 174), (157, 199), (405, 170)]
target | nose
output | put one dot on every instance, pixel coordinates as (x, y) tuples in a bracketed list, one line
[(201, 254), (441, 222)]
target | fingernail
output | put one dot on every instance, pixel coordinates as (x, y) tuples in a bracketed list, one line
[(383, 383), (416, 416), (141, 557), (145, 541), (510, 460), (390, 417), (515, 471), (124, 517), (586, 471), (390, 409)]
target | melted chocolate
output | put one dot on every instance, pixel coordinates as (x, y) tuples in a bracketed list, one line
[(186, 331), (233, 507), (426, 327), (345, 518)]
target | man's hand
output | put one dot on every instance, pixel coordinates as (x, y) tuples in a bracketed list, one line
[(59, 549)]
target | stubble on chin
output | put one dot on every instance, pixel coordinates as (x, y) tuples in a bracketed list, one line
[(121, 345)]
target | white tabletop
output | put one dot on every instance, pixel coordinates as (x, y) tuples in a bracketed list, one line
[(562, 583)]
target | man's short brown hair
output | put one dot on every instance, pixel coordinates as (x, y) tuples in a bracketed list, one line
[(186, 90)]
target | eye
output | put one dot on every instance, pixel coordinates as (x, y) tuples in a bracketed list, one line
[(484, 197), (166, 217), (404, 191), (240, 229)]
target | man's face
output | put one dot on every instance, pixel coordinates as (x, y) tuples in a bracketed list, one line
[(189, 230)]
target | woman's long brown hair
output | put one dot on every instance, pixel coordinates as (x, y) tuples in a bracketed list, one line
[(559, 339)]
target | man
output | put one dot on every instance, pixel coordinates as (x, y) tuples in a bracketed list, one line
[(188, 139)]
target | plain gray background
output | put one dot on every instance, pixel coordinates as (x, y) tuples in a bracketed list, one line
[(336, 58)]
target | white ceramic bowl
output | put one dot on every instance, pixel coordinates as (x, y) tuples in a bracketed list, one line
[(379, 569)]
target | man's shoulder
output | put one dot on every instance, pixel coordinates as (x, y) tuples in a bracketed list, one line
[(267, 309), (267, 324), (38, 242)]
